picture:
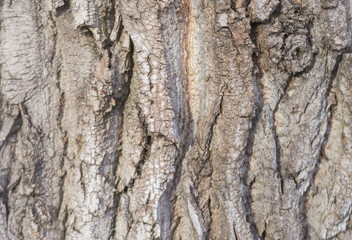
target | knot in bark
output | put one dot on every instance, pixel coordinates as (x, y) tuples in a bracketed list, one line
[(298, 54)]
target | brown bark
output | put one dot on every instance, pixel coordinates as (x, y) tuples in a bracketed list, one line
[(175, 119)]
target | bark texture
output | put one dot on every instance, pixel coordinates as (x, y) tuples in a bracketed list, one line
[(175, 119)]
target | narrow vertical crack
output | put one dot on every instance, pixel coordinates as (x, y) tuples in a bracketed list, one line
[(64, 221), (65, 138), (61, 195), (217, 112), (277, 145), (145, 153)]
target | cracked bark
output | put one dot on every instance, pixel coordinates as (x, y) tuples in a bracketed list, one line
[(183, 119)]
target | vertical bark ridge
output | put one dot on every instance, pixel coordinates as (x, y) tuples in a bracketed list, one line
[(176, 54), (330, 98)]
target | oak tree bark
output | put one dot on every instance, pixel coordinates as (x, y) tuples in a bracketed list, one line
[(175, 119)]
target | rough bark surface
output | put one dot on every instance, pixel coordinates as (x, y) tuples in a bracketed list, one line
[(175, 119)]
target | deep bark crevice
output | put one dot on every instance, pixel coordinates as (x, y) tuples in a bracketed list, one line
[(4, 196), (209, 135), (259, 104), (121, 97)]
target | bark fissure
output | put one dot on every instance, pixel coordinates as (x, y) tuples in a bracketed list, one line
[(5, 187), (209, 135), (259, 103), (145, 153), (120, 95)]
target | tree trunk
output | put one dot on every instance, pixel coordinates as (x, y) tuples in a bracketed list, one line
[(175, 119)]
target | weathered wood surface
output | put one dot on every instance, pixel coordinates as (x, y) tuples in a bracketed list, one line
[(175, 119)]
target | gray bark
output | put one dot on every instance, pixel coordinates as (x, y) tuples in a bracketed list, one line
[(175, 119)]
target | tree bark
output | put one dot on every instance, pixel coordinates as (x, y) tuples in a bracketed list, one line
[(175, 119)]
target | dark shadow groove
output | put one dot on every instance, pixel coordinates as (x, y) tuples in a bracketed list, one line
[(120, 95), (4, 196), (259, 103)]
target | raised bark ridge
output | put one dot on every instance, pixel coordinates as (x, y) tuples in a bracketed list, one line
[(175, 119)]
